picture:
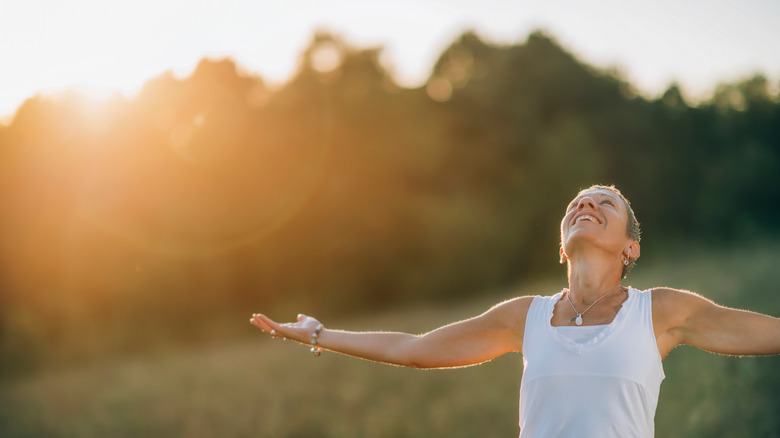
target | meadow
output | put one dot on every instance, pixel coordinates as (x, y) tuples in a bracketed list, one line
[(259, 387)]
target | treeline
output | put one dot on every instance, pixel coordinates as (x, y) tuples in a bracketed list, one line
[(130, 221)]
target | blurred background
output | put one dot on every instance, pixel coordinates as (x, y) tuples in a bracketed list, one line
[(169, 168)]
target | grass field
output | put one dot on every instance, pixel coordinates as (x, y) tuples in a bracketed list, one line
[(270, 388)]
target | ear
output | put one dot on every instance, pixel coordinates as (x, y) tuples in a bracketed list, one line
[(634, 250), (564, 257)]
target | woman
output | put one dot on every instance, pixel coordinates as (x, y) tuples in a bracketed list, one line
[(591, 353)]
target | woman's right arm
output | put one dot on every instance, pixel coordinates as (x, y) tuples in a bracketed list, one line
[(463, 343)]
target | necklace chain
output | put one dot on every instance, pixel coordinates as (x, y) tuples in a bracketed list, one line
[(578, 319)]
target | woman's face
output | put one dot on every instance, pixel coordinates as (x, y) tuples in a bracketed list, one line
[(595, 217)]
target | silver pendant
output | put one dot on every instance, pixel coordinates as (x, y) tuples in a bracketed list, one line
[(578, 320)]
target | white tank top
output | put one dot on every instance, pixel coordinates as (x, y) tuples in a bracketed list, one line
[(590, 381)]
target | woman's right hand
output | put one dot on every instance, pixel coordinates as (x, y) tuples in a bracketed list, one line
[(300, 331)]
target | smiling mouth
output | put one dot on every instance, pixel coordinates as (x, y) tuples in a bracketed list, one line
[(586, 218)]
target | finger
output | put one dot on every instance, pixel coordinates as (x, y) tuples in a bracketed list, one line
[(257, 323), (263, 322)]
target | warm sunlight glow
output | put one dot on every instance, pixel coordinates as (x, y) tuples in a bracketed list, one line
[(173, 166), (439, 89), (48, 45), (91, 109), (98, 49), (326, 58)]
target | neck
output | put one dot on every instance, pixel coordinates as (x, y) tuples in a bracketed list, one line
[(591, 277)]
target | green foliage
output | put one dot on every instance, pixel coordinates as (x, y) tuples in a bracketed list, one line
[(206, 196)]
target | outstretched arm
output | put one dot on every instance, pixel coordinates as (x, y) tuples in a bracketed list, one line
[(682, 317), (468, 342)]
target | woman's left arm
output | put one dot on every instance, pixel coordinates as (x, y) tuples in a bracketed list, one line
[(682, 317)]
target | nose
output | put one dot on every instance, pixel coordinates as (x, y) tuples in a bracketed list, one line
[(586, 201)]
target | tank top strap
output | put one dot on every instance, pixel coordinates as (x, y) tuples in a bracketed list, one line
[(537, 321)]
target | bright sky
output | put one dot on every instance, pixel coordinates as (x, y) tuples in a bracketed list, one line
[(49, 45)]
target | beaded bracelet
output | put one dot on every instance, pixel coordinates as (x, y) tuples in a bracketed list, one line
[(315, 349)]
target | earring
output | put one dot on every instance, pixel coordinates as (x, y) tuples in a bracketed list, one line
[(625, 262)]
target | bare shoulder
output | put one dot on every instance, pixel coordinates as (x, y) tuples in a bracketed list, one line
[(515, 306), (671, 307), (511, 313), (664, 297), (508, 317)]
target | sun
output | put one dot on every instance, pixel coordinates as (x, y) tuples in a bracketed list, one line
[(98, 48)]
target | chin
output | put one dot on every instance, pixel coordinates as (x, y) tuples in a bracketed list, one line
[(580, 239)]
